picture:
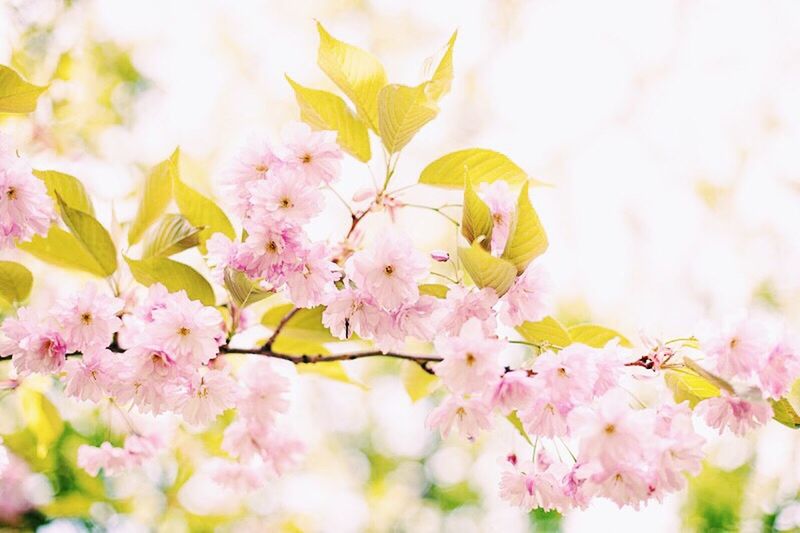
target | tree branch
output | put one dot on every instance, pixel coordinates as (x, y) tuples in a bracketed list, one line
[(285, 320)]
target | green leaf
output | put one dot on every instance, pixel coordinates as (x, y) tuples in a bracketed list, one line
[(487, 270), (785, 414), (434, 289), (325, 111), (334, 370), (476, 220), (417, 382), (172, 235), (174, 276), (480, 165), (42, 419), (201, 212), (15, 282), (402, 112), (305, 324), (687, 385), (513, 417), (330, 369), (596, 336), (155, 197), (356, 72), (62, 249), (16, 94), (242, 289), (547, 331), (69, 188), (91, 235), (443, 76), (527, 239)]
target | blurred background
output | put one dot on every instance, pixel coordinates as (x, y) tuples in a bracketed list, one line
[(668, 130)]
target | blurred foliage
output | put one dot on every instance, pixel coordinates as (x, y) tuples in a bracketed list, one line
[(715, 499)]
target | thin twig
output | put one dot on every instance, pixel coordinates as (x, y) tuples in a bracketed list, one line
[(286, 318)]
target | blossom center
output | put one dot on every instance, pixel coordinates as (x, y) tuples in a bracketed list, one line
[(286, 202), (184, 331), (261, 168), (470, 359), (86, 318), (11, 193), (306, 158), (609, 429), (389, 269)]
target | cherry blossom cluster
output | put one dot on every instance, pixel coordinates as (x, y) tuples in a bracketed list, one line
[(275, 190), (25, 208), (754, 356), (14, 498)]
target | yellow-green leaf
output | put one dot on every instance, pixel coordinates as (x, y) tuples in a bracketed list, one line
[(62, 249), (173, 275), (527, 239), (547, 331), (784, 413), (689, 386), (16, 94), (417, 382), (201, 212), (41, 417), (402, 112), (443, 76), (172, 235), (91, 235), (513, 417), (156, 195), (330, 369), (69, 188), (487, 270), (326, 111), (434, 289), (15, 282), (479, 165), (356, 72), (477, 218), (596, 336), (242, 289), (305, 324)]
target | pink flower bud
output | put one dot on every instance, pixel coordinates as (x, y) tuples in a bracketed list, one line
[(363, 194), (440, 256)]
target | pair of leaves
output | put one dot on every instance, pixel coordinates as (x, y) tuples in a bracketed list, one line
[(242, 290), (163, 184), (16, 94), (550, 332)]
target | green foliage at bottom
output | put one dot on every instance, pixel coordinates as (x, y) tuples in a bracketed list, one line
[(714, 500), (545, 521)]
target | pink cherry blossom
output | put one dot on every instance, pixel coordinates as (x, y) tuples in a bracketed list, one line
[(418, 320), (736, 414), (25, 207), (545, 417), (612, 431), (568, 376), (239, 477), (108, 458), (501, 202), (526, 300), (463, 303), (92, 376), (780, 369), (314, 153), (468, 416), (286, 197), (470, 360), (14, 499), (312, 277), (351, 311), (739, 348), (264, 393), (33, 342), (528, 487), (270, 248), (390, 271), (206, 396), (186, 329), (88, 318), (255, 163), (513, 391)]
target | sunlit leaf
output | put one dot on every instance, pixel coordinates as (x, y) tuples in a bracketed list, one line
[(62, 249), (173, 275), (687, 385), (326, 111), (487, 270), (596, 336), (92, 236), (242, 289), (156, 194), (527, 239), (479, 165), (443, 76), (417, 382), (15, 282), (477, 218), (547, 331), (434, 289), (784, 413), (402, 112), (513, 417), (41, 417), (16, 94), (69, 188), (172, 235), (356, 72), (334, 370), (304, 324)]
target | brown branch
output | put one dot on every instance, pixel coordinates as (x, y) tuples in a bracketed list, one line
[(285, 320)]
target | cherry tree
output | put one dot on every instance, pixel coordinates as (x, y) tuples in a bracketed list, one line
[(160, 337)]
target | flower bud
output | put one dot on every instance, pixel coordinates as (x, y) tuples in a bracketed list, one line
[(363, 194), (440, 256)]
